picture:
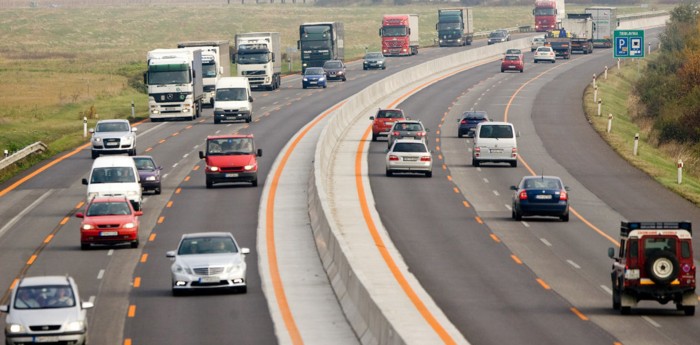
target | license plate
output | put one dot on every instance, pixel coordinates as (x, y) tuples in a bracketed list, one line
[(46, 339), (511, 66), (109, 233), (231, 175), (410, 159), (111, 144), (312, 82), (209, 279), (496, 151), (543, 197)]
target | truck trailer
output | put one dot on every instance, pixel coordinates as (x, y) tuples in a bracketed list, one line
[(399, 33), (258, 58), (216, 63), (580, 27), (455, 26), (604, 25), (320, 42), (174, 83)]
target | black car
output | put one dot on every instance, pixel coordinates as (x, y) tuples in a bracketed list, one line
[(468, 122), (335, 69), (149, 173), (498, 36), (374, 60), (540, 196)]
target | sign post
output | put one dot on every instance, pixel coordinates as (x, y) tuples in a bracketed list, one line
[(628, 44)]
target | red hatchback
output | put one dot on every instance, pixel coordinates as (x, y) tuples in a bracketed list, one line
[(383, 121), (109, 220), (512, 62)]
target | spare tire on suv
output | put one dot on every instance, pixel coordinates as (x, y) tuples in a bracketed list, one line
[(662, 267)]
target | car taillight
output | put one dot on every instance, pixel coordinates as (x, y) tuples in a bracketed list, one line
[(421, 134), (514, 152), (463, 122), (522, 195), (393, 158), (425, 159), (563, 195), (396, 133)]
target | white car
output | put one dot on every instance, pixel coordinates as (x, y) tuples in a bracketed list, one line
[(113, 136), (208, 260), (545, 54), (46, 309), (536, 42), (409, 155)]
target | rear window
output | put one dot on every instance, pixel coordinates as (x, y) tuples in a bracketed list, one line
[(543, 49), (496, 132), (389, 114), (314, 71), (541, 183), (408, 127), (113, 175), (410, 147), (475, 116)]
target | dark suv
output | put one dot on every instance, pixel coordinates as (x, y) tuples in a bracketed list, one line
[(335, 69), (468, 122), (654, 262)]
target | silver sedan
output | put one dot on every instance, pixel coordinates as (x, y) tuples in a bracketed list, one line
[(409, 155), (208, 260)]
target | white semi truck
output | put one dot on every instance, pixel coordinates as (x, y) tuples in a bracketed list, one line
[(216, 63), (174, 82), (258, 58)]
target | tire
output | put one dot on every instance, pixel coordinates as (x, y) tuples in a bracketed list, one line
[(475, 163), (522, 70), (374, 137), (689, 310), (345, 79), (389, 173), (384, 67), (303, 86), (84, 246), (324, 86), (564, 218), (429, 174), (616, 300), (501, 70), (132, 152), (243, 289), (518, 215), (364, 68), (177, 292), (157, 190), (625, 310), (95, 155), (662, 267), (254, 183), (209, 183), (555, 60), (460, 135), (135, 244), (216, 121), (249, 119), (536, 61), (514, 164)]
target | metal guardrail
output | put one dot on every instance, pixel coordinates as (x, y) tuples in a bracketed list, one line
[(22, 154)]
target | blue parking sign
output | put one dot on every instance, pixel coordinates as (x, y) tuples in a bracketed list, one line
[(628, 43)]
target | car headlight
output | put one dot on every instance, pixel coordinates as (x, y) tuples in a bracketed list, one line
[(234, 268), (305, 79), (127, 139), (87, 227), (129, 226), (249, 167), (180, 269), (219, 110), (150, 178), (96, 139), (340, 72), (14, 328), (321, 79), (75, 326), (212, 168), (244, 109)]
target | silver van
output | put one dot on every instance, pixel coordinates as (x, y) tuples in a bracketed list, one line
[(495, 142)]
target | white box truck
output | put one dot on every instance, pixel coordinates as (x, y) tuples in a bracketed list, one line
[(174, 82), (216, 63), (259, 59), (604, 25)]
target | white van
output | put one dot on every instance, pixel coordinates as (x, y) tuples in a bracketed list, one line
[(114, 176), (232, 100), (495, 142)]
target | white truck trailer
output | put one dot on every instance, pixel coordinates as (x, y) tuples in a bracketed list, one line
[(604, 24), (216, 63), (258, 58), (174, 82)]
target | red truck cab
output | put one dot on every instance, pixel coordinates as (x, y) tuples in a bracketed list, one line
[(396, 33), (545, 13), (230, 158)]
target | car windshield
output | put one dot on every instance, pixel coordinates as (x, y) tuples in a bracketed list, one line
[(44, 297), (496, 132), (390, 114), (513, 51), (314, 71), (230, 146), (541, 183), (144, 163), (410, 147), (113, 175), (543, 49), (108, 209), (207, 245), (373, 56), (408, 127), (232, 94), (112, 127), (332, 64), (496, 34)]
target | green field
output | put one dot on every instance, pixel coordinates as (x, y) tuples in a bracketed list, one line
[(60, 64)]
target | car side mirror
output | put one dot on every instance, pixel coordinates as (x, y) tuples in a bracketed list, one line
[(85, 182), (160, 168), (250, 99), (611, 252), (170, 254), (87, 305), (4, 308), (427, 129), (371, 118), (259, 154), (566, 188), (513, 188), (201, 155), (79, 215), (91, 130), (134, 129), (517, 134), (138, 213), (245, 250)]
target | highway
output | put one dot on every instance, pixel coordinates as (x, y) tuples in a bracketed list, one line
[(497, 280)]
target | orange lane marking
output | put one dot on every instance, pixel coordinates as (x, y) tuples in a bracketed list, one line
[(440, 157), (449, 178), (176, 134), (132, 311), (127, 341), (439, 125), (177, 191), (495, 238), (466, 204), (161, 219), (80, 204), (148, 149), (617, 343), (65, 220), (161, 141), (516, 259), (152, 238), (169, 204), (187, 178), (14, 283), (479, 220), (444, 167), (579, 314), (456, 190), (437, 140), (437, 132), (388, 259), (31, 259), (437, 148), (544, 285), (144, 257), (277, 285), (48, 238), (137, 282), (196, 167), (188, 127)]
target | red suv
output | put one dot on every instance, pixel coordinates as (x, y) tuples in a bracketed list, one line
[(512, 62), (655, 262), (231, 158), (383, 121), (109, 220)]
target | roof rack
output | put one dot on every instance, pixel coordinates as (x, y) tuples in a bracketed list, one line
[(627, 227)]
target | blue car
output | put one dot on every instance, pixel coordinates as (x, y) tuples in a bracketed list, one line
[(468, 122), (314, 76), (540, 196)]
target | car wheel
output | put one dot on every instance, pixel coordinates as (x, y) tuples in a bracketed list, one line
[(429, 174), (210, 184), (374, 137), (217, 121), (345, 79), (475, 162), (555, 60), (243, 289), (84, 246), (616, 300), (303, 86), (625, 310), (389, 173), (383, 67), (248, 119), (535, 61), (518, 215), (157, 190), (135, 244), (95, 155), (132, 152), (177, 292), (565, 218), (459, 135), (324, 86), (254, 183), (662, 267), (514, 164), (521, 71), (501, 70), (689, 310)]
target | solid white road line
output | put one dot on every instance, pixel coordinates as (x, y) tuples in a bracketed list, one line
[(24, 212)]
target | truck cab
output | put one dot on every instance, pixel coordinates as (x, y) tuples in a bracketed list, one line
[(230, 158), (654, 262)]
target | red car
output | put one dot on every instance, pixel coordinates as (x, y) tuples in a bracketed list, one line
[(231, 158), (109, 220), (383, 121), (512, 62)]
